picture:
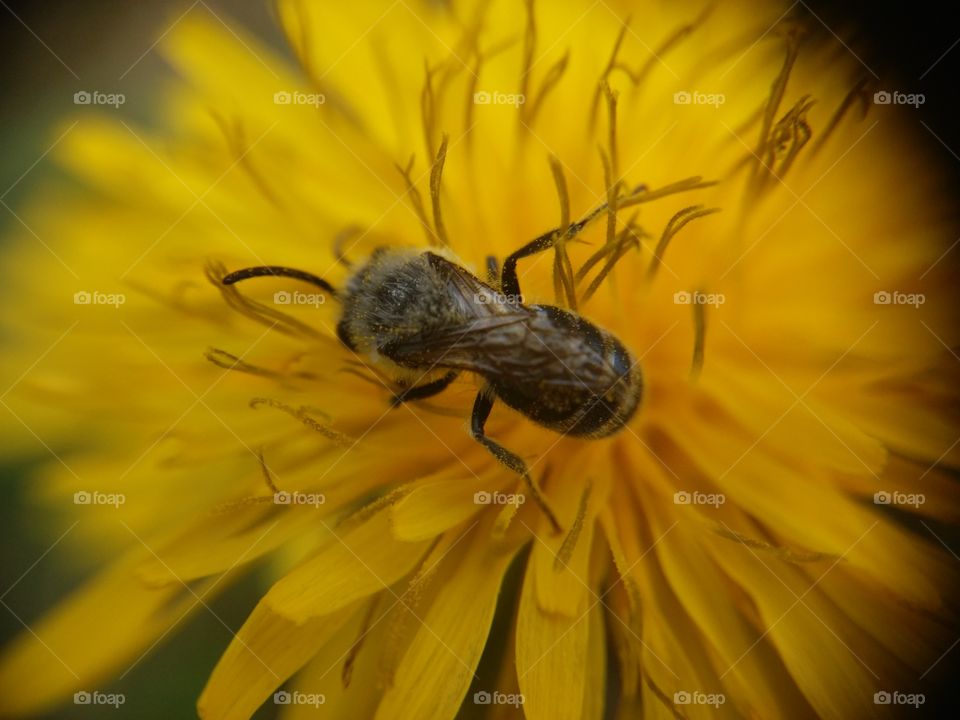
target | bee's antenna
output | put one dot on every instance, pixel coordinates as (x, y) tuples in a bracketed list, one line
[(278, 271)]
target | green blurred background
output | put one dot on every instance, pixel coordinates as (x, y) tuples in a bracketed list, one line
[(50, 51)]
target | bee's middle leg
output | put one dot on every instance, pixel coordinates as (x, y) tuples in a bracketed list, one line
[(422, 392), (481, 411)]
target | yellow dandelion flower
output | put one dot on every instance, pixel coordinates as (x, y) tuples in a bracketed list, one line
[(737, 541)]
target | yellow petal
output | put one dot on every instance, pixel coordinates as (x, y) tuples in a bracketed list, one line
[(551, 651), (266, 651), (433, 506), (358, 642), (359, 564), (438, 667)]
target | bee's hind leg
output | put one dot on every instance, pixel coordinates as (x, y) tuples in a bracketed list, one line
[(422, 392), (481, 411)]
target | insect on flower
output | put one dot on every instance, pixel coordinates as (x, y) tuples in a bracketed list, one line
[(419, 315)]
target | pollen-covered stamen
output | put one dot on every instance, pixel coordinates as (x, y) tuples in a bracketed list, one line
[(529, 48), (229, 361), (858, 95), (665, 698), (569, 544), (256, 499), (777, 90), (302, 415), (428, 109), (699, 337), (674, 225), (416, 199), (643, 194), (626, 239), (657, 54), (473, 82), (436, 176), (403, 619), (258, 312), (240, 149), (630, 235), (347, 673), (611, 162), (787, 139), (616, 245), (787, 554), (603, 83), (529, 110), (351, 232), (431, 98), (563, 284)]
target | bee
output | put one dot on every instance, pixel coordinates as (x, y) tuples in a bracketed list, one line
[(417, 315)]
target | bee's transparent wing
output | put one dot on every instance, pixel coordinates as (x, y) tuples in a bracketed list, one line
[(492, 337)]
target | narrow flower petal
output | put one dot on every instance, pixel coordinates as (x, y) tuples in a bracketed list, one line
[(266, 651), (359, 564), (439, 665)]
